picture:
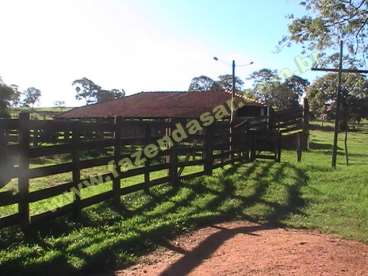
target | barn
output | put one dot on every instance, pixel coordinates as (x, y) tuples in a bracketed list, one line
[(165, 105)]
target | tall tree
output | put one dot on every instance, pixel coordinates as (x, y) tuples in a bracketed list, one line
[(202, 84), (92, 93), (268, 89), (226, 82), (6, 94), (263, 76), (326, 22), (297, 84), (355, 94), (31, 96)]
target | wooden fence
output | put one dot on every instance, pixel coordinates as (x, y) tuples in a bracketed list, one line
[(110, 141), (89, 145)]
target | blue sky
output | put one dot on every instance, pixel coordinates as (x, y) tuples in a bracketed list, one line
[(139, 45)]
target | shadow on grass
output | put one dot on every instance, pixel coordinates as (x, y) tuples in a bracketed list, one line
[(105, 238)]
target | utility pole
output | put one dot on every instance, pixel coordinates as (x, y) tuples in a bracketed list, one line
[(340, 70), (338, 103), (233, 93)]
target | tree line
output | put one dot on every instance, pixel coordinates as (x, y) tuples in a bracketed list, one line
[(270, 89), (12, 97)]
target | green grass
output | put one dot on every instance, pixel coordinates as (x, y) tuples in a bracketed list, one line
[(301, 195)]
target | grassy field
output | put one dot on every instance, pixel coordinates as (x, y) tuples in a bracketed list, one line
[(301, 195)]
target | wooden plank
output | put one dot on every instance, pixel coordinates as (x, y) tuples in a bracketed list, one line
[(10, 220), (288, 123), (68, 147), (192, 175), (191, 163), (291, 129), (50, 150), (8, 198), (9, 124), (50, 192), (90, 163), (96, 199), (50, 170), (52, 214)]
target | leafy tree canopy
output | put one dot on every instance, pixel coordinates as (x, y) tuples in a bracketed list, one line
[(326, 22), (31, 96), (225, 82), (202, 83), (269, 89), (322, 95), (297, 84), (92, 93), (6, 94)]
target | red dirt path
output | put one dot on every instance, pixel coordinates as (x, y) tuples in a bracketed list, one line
[(242, 248)]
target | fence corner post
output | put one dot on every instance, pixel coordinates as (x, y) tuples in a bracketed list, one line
[(23, 175)]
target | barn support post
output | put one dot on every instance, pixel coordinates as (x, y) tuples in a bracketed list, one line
[(23, 179), (116, 188), (76, 168)]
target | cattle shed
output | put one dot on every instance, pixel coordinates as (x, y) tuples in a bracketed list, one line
[(164, 105)]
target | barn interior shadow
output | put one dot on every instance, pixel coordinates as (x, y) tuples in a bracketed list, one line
[(228, 195)]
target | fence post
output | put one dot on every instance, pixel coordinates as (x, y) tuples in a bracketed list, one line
[(299, 146), (306, 118), (3, 148), (253, 154), (76, 168), (173, 160), (147, 140), (279, 147), (23, 178), (116, 188), (208, 153)]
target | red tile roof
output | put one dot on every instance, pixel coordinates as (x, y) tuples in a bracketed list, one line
[(156, 105)]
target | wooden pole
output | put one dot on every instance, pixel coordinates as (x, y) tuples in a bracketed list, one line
[(117, 153), (76, 168), (23, 180), (208, 157), (338, 100), (306, 118), (147, 138), (173, 160)]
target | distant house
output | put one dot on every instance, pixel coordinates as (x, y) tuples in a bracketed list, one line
[(164, 105)]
